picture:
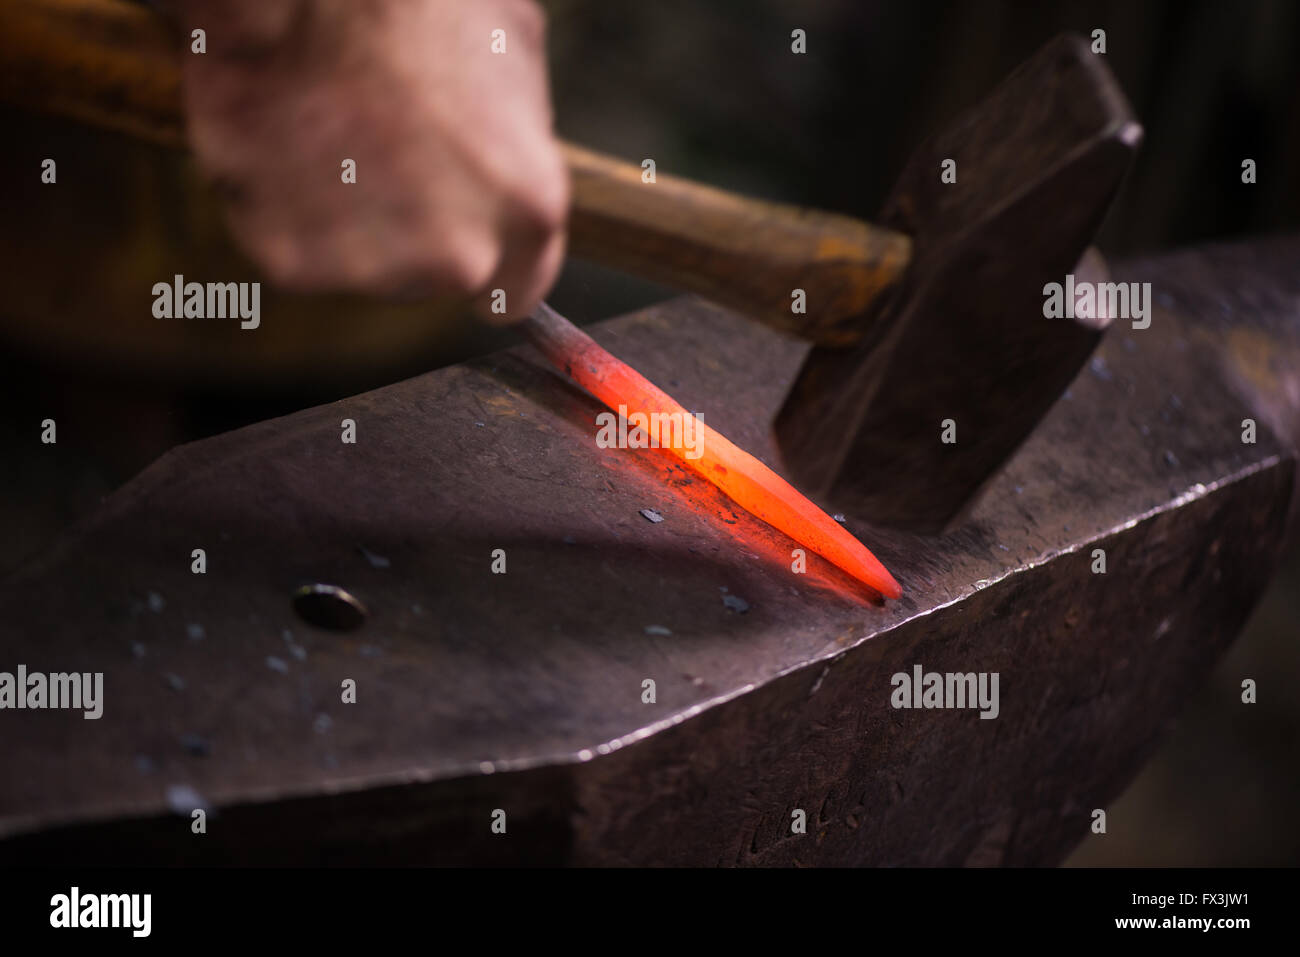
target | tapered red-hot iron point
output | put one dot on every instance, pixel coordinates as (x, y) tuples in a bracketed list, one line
[(743, 478)]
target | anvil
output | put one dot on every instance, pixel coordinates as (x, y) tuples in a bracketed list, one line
[(517, 603)]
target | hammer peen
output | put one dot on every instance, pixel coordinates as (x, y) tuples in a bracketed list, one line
[(933, 316)]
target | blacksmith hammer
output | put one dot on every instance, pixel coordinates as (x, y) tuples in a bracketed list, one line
[(934, 317)]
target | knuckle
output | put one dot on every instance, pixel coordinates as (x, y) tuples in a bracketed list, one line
[(360, 273), (280, 259), (539, 199), (530, 21), (467, 266)]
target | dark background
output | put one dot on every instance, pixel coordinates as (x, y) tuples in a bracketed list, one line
[(710, 90)]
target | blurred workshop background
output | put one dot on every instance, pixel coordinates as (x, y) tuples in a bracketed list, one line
[(710, 90)]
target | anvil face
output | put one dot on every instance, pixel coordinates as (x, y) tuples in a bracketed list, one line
[(526, 690)]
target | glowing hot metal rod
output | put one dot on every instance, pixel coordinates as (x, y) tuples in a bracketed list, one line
[(744, 479)]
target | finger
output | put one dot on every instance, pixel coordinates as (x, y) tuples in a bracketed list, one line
[(530, 263)]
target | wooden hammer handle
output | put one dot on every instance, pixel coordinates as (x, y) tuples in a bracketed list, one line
[(114, 64), (746, 253)]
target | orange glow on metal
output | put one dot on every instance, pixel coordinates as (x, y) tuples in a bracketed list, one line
[(743, 478)]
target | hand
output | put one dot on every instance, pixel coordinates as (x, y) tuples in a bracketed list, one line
[(460, 186)]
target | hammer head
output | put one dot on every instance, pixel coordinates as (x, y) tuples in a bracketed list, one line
[(963, 336)]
